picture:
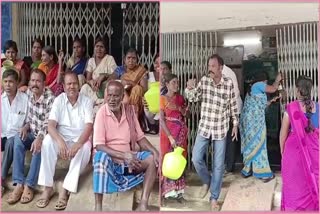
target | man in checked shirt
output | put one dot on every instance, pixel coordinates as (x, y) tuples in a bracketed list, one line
[(30, 138), (218, 102)]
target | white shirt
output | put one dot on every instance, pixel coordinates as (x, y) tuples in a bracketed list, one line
[(71, 120), (13, 116), (226, 71)]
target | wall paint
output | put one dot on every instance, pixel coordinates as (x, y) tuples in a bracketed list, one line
[(205, 16)]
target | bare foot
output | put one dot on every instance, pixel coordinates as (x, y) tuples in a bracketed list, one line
[(143, 206), (98, 207), (214, 205)]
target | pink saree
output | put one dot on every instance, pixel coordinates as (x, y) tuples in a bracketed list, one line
[(300, 164)]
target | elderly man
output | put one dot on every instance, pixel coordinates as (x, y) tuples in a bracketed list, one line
[(70, 126), (124, 157), (30, 138), (218, 103), (14, 107)]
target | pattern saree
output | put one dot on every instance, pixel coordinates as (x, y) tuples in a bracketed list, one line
[(179, 131), (253, 134), (51, 78)]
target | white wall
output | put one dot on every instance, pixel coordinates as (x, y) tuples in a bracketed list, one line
[(190, 16)]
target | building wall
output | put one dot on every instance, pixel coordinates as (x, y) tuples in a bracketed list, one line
[(6, 22), (189, 16)]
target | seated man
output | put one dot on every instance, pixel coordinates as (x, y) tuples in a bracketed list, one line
[(118, 163), (30, 138), (14, 106), (69, 126)]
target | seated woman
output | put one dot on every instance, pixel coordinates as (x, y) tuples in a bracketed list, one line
[(11, 52), (99, 69), (78, 61), (51, 65), (133, 77), (299, 146), (34, 60)]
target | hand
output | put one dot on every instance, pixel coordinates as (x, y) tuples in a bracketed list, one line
[(172, 141), (74, 149), (60, 56), (63, 150), (94, 85), (191, 84), (156, 158), (23, 133), (234, 133), (275, 99), (279, 77), (36, 146), (145, 104), (133, 162)]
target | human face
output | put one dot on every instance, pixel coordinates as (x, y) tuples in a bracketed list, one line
[(46, 58), (71, 86), (114, 97), (131, 60), (100, 50), (157, 64), (11, 54), (173, 85), (78, 50), (10, 85), (164, 69), (36, 50), (215, 70), (36, 83)]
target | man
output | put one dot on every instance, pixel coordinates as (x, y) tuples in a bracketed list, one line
[(118, 163), (231, 145), (70, 125), (40, 102), (14, 107), (218, 101)]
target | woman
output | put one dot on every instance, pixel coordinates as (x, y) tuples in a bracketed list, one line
[(34, 60), (253, 129), (78, 62), (51, 65), (11, 53), (299, 146), (133, 77), (174, 132), (99, 68), (165, 67)]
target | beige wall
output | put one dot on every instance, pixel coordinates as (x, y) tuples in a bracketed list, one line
[(203, 16)]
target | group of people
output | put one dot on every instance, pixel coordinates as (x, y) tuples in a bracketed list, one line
[(222, 114), (74, 112)]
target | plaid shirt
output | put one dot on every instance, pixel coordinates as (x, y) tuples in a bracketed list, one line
[(218, 101), (39, 110)]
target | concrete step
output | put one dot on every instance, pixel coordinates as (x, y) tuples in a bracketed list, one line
[(249, 194)]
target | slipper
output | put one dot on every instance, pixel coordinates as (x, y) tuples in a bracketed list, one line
[(61, 204), (14, 196), (27, 196), (43, 202), (266, 180)]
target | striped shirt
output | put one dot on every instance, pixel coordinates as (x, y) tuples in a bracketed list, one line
[(218, 103), (39, 110)]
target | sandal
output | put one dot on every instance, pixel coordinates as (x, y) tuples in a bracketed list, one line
[(266, 180), (61, 203), (27, 195), (43, 202), (15, 196)]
